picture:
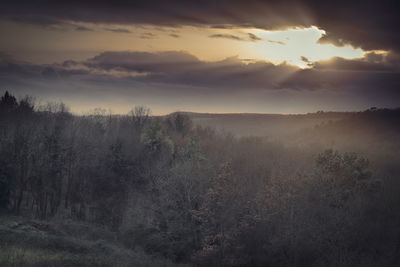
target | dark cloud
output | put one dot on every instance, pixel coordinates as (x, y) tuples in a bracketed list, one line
[(276, 42), (179, 74), (367, 64), (118, 30), (143, 61), (182, 68), (170, 67), (226, 36), (36, 19), (374, 57), (148, 35), (174, 35), (363, 76), (83, 29), (222, 26), (369, 24), (250, 37), (254, 37), (304, 59)]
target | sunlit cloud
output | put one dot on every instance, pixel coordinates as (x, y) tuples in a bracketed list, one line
[(299, 47)]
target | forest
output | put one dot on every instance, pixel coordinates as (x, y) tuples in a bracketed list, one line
[(139, 190)]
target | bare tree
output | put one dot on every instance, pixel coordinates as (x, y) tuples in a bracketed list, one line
[(139, 116)]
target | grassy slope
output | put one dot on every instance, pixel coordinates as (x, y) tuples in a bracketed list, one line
[(26, 242)]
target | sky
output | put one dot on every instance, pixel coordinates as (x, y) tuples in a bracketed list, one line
[(203, 56)]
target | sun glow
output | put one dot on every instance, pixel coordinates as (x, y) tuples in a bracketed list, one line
[(298, 47)]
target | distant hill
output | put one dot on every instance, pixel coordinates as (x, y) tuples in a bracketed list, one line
[(264, 125), (371, 130)]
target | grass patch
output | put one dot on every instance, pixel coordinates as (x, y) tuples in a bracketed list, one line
[(27, 243), (19, 256)]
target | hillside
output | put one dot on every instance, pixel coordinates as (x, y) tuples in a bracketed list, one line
[(140, 190), (271, 125)]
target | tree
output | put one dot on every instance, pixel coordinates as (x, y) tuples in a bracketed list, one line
[(8, 103), (224, 216), (139, 116), (5, 189), (179, 123), (342, 176), (155, 140), (340, 192)]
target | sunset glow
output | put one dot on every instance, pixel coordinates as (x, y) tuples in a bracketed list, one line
[(258, 57)]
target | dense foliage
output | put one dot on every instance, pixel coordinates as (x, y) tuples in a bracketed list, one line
[(197, 196)]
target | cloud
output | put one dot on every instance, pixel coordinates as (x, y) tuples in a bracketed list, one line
[(142, 61), (371, 25), (185, 69), (370, 63), (275, 42), (304, 59), (254, 37), (364, 76), (177, 74), (226, 36), (118, 30), (168, 67), (174, 35), (148, 35), (250, 37), (83, 29), (182, 68)]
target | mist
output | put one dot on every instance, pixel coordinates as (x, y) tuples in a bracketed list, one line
[(197, 189)]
